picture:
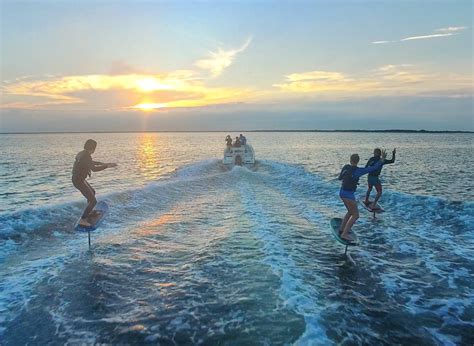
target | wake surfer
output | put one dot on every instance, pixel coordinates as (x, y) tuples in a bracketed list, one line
[(83, 166), (350, 175), (373, 177)]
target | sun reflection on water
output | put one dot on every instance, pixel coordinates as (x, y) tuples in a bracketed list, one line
[(148, 154)]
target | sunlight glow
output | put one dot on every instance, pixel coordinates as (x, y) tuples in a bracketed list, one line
[(147, 107), (151, 84)]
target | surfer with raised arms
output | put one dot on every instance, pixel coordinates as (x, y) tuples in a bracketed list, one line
[(373, 177), (83, 166), (350, 175)]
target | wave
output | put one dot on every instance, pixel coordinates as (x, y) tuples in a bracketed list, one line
[(315, 197)]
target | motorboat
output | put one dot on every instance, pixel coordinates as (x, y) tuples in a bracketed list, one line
[(241, 155)]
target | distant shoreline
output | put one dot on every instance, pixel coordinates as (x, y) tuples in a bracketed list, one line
[(242, 131)]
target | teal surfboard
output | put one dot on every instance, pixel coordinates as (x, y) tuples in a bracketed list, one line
[(378, 208), (95, 218), (335, 224)]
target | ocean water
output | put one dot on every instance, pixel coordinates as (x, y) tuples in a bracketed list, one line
[(194, 252)]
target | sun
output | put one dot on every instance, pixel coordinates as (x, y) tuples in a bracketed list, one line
[(148, 107), (150, 84)]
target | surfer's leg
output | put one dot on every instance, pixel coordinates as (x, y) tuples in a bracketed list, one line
[(91, 202), (88, 192), (367, 195), (93, 191), (378, 187), (346, 217), (90, 187), (354, 215)]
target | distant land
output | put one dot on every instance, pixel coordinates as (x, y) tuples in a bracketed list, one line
[(315, 130), (384, 131)]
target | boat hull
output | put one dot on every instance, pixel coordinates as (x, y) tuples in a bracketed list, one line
[(243, 155)]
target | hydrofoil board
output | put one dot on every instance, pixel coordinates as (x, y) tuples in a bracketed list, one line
[(335, 225), (95, 218), (378, 208)]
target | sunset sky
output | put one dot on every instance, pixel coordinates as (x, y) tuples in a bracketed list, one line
[(240, 65)]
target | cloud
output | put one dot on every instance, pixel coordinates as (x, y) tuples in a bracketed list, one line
[(451, 29), (316, 75), (104, 92), (381, 42), (321, 82), (218, 61), (127, 87), (402, 79), (425, 37), (437, 113), (403, 73), (442, 32)]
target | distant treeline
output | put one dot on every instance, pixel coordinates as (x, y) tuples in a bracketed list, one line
[(383, 131)]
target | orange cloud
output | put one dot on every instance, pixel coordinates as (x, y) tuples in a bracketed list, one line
[(181, 88)]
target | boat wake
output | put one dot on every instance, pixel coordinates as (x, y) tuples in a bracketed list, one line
[(208, 253)]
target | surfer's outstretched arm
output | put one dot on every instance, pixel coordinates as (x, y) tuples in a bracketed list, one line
[(101, 166), (387, 162), (362, 171)]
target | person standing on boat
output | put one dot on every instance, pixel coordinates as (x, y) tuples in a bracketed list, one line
[(243, 140), (237, 142), (228, 141), (83, 166)]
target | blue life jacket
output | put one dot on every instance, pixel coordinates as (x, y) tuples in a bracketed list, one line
[(349, 183)]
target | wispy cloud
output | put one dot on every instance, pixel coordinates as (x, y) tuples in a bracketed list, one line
[(423, 37), (322, 82), (401, 75), (316, 76), (218, 61), (442, 32), (451, 29), (381, 42)]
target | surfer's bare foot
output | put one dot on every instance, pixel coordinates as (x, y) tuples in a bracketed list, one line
[(373, 206), (347, 237), (84, 223)]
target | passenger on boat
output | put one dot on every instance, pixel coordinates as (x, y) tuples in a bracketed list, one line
[(237, 142), (228, 141), (243, 140)]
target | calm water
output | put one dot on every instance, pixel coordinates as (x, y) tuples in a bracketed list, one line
[(194, 252)]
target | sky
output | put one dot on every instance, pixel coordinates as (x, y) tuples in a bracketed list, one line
[(235, 65)]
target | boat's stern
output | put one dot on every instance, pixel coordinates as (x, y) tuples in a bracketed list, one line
[(243, 155)]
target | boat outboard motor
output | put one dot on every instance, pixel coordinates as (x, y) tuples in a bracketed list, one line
[(238, 160)]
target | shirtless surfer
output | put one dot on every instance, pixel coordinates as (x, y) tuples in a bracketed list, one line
[(83, 166)]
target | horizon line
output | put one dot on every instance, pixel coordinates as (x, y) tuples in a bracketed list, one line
[(266, 130)]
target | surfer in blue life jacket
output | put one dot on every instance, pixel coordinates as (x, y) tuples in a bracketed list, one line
[(350, 175), (373, 177), (83, 166)]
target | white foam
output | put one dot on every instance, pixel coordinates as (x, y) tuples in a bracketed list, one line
[(293, 291)]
